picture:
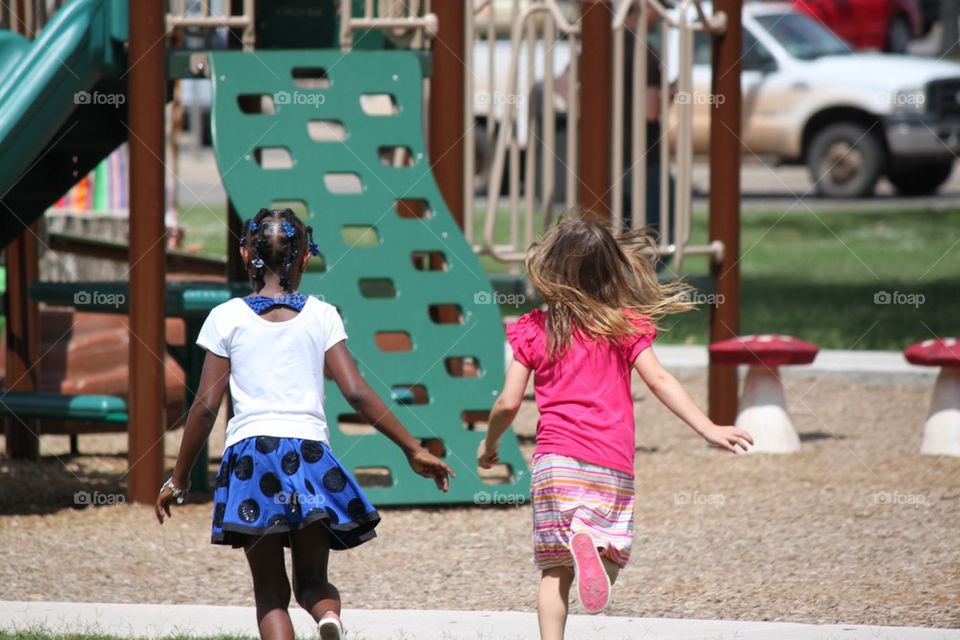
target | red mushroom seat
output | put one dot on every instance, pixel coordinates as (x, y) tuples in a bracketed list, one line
[(769, 350), (763, 407), (941, 433)]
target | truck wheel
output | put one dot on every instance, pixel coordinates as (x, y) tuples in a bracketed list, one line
[(898, 34), (920, 180), (845, 160)]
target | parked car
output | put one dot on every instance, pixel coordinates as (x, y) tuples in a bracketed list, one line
[(850, 117), (885, 25)]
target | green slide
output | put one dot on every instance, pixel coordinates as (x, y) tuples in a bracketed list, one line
[(62, 106)]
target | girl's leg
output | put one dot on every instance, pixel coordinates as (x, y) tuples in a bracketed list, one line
[(311, 551), (612, 569), (271, 588), (553, 597)]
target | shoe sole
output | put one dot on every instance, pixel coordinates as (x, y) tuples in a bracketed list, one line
[(593, 584), (330, 629)]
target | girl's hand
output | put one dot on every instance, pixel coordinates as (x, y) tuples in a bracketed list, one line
[(429, 466), (164, 500), (488, 454), (727, 437)]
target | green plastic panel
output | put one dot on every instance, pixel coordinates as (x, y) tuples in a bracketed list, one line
[(375, 265), (54, 406)]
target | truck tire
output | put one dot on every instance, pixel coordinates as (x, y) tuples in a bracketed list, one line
[(845, 160), (922, 179)]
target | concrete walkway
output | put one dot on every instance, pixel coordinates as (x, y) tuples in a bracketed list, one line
[(152, 620), (862, 367)]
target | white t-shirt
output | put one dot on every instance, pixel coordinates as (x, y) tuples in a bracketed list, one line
[(276, 368)]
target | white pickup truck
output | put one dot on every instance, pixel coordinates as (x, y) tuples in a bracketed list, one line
[(851, 117)]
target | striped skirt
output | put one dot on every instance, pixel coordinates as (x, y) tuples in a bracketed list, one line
[(570, 496)]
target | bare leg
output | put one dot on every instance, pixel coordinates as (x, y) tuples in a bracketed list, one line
[(311, 552), (271, 588), (553, 599), (612, 569)]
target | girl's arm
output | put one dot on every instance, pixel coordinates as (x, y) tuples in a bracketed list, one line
[(203, 415), (672, 394), (504, 412), (371, 408)]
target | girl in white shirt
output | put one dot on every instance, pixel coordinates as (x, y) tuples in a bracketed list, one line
[(279, 484)]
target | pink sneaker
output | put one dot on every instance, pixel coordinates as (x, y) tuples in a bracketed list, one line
[(593, 584), (330, 627)]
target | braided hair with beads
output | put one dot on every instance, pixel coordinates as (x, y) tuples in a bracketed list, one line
[(276, 240)]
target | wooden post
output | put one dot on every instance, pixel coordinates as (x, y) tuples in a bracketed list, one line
[(235, 269), (147, 95), (596, 107), (22, 341), (447, 104), (23, 317), (725, 206)]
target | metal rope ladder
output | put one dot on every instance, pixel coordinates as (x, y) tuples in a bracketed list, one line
[(339, 138)]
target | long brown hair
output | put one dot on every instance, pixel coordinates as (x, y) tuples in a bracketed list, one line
[(593, 281)]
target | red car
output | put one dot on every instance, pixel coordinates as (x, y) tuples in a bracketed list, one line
[(887, 25)]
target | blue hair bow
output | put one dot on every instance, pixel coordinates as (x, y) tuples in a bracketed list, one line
[(288, 229)]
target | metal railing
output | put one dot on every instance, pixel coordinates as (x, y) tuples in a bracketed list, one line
[(512, 123), (204, 14), (27, 17), (30, 16), (409, 21), (515, 124)]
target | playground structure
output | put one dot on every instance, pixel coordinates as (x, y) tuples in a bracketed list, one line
[(330, 125)]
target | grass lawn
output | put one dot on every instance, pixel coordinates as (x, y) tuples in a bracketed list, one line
[(814, 276), (818, 276)]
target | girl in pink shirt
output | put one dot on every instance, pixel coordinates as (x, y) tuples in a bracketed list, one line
[(602, 303)]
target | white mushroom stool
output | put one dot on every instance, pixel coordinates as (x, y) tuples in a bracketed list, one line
[(941, 433), (763, 408)]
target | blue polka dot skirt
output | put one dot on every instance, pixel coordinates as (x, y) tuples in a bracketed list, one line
[(269, 485)]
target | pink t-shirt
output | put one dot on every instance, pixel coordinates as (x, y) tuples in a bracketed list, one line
[(584, 397)]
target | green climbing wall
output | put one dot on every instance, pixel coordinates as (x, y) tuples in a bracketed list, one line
[(338, 137)]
